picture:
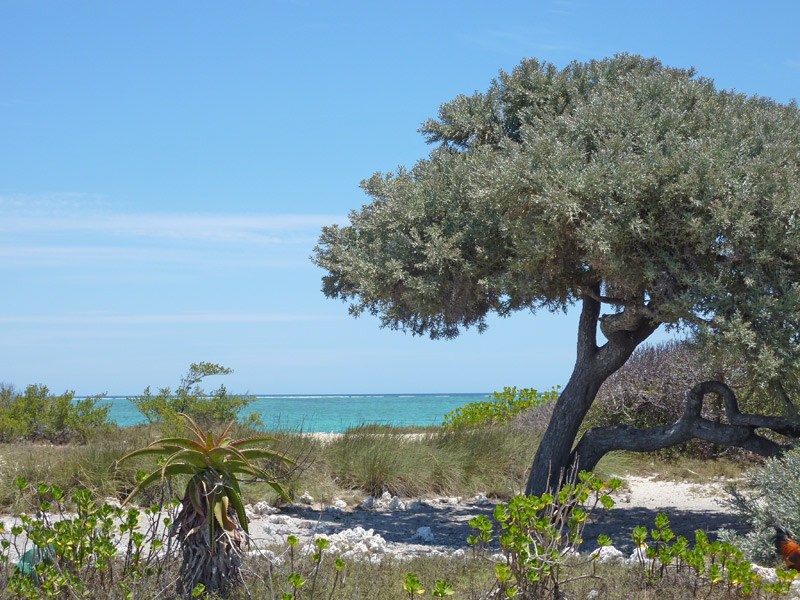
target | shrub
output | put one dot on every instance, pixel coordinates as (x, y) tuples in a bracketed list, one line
[(709, 566), (502, 407), (100, 551), (36, 414), (537, 534), (771, 497), (204, 407)]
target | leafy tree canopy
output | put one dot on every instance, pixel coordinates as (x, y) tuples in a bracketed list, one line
[(638, 185)]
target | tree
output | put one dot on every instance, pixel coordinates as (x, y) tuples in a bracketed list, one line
[(190, 399), (637, 191)]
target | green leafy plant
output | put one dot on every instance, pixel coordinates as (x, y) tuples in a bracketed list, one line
[(711, 566), (36, 414), (501, 408), (211, 525), (75, 555), (537, 533), (189, 398), (413, 586), (442, 589)]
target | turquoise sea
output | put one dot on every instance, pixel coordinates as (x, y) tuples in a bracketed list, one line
[(333, 413)]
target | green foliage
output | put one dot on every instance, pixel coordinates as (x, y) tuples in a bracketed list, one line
[(769, 496), (99, 547), (502, 407), (709, 565), (639, 185), (413, 586), (188, 398), (537, 533), (36, 414)]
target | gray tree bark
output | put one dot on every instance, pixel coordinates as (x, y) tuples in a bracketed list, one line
[(593, 365), (740, 430)]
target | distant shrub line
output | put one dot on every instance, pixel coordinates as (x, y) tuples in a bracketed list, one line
[(501, 408), (36, 414)]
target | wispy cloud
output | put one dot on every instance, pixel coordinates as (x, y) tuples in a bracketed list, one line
[(28, 256), (81, 231), (203, 318), (221, 228), (52, 200), (519, 41)]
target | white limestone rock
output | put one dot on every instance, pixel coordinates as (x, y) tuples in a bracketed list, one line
[(765, 573), (306, 498), (339, 503), (386, 497), (358, 543), (605, 553), (638, 555), (397, 504), (414, 505), (480, 500), (368, 503), (424, 534), (263, 508), (278, 519)]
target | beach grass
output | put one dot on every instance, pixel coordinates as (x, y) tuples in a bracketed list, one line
[(408, 462)]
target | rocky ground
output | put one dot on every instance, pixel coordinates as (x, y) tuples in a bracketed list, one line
[(428, 526)]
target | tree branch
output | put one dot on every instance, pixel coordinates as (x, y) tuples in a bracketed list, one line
[(587, 326), (739, 431)]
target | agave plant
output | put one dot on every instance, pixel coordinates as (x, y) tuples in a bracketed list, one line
[(211, 525)]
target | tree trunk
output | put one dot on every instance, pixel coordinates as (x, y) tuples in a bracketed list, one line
[(593, 366)]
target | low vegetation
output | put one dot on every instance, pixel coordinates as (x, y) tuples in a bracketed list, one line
[(189, 398), (36, 415), (104, 551), (502, 407), (95, 550), (769, 496)]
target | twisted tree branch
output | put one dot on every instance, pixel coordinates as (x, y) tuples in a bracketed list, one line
[(740, 430)]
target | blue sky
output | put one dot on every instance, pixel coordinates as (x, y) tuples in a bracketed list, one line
[(165, 169)]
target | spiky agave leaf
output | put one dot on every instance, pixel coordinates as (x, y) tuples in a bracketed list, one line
[(224, 435), (250, 441), (176, 469), (234, 493), (151, 450), (197, 431)]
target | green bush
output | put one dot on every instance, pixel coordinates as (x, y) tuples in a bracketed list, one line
[(36, 414), (100, 551), (538, 533), (206, 408), (771, 496), (709, 566), (501, 408)]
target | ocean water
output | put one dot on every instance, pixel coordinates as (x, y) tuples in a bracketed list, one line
[(329, 413)]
